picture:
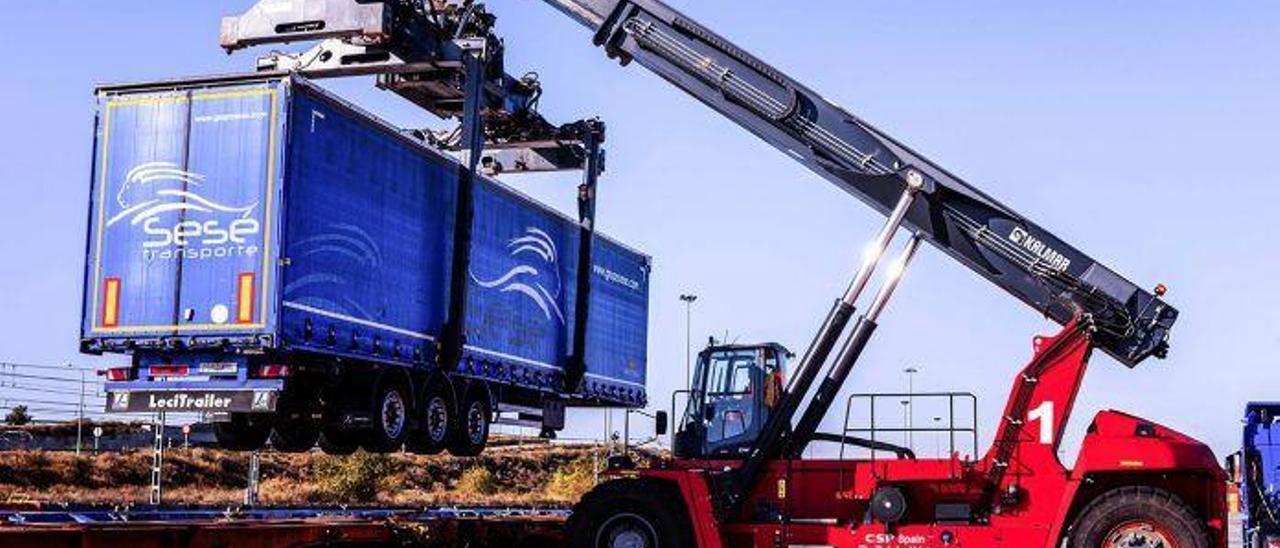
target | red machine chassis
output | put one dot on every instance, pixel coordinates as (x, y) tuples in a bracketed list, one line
[(1020, 494)]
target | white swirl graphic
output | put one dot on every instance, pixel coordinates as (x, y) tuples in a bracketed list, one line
[(166, 200), (526, 279)]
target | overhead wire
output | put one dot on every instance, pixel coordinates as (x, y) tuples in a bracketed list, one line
[(67, 368), (44, 390), (46, 378)]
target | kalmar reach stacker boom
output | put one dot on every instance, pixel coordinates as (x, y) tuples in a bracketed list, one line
[(736, 477)]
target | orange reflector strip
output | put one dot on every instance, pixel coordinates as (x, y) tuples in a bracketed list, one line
[(244, 299), (111, 302)]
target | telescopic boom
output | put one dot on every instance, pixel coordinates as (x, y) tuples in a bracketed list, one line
[(996, 242)]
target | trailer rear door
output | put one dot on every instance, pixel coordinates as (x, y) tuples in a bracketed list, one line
[(183, 225)]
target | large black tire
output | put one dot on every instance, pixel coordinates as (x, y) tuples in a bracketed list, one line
[(471, 431), (244, 432), (437, 420), (335, 441), (390, 413), (629, 513), (295, 435), (1137, 517)]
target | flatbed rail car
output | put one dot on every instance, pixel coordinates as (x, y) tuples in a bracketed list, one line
[(279, 527), (274, 256)]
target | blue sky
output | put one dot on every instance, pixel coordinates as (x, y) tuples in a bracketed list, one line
[(1145, 137)]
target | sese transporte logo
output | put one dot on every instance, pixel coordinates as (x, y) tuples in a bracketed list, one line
[(163, 201)]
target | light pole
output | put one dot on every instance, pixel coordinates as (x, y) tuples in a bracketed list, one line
[(906, 415), (911, 373), (688, 338), (80, 414), (937, 437)]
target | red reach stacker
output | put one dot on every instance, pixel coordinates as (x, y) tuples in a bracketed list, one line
[(736, 476)]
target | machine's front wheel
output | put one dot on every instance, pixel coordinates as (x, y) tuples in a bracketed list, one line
[(1137, 517), (628, 514)]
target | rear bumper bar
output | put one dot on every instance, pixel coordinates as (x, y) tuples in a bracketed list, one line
[(255, 396)]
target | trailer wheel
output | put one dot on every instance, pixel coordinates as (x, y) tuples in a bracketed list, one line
[(244, 432), (390, 419), (471, 434), (335, 441), (437, 420), (628, 513), (295, 436), (1137, 517)]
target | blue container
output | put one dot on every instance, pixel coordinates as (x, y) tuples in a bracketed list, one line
[(248, 216)]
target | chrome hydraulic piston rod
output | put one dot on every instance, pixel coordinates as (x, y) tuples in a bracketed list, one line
[(772, 436), (848, 356)]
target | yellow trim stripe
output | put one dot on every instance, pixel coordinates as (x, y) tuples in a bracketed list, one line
[(270, 207), (102, 212), (181, 328), (177, 98)]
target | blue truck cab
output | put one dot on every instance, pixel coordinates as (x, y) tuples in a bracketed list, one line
[(1256, 469), (282, 261)]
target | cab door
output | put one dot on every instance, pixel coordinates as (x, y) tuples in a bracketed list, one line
[(727, 405)]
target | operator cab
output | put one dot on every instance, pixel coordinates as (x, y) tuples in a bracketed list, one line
[(735, 388)]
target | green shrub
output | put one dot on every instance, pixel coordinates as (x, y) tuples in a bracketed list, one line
[(18, 416), (357, 478)]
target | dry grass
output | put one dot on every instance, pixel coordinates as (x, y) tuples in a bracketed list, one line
[(506, 475), (572, 480), (476, 480)]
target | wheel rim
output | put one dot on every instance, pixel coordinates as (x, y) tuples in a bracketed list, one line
[(393, 414), (437, 419), (627, 530), (476, 423), (1138, 534)]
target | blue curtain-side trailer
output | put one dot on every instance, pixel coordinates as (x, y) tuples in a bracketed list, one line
[(280, 260)]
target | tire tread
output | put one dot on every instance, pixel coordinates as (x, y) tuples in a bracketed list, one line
[(1101, 507), (654, 496)]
